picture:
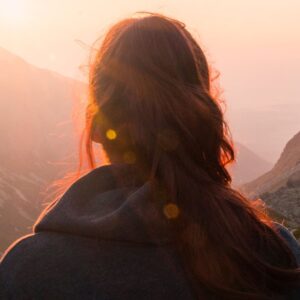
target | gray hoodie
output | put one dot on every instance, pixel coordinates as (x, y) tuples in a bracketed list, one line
[(104, 239)]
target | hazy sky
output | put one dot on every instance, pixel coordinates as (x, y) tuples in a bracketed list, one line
[(254, 44)]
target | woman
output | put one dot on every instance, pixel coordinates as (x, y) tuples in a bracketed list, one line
[(161, 221)]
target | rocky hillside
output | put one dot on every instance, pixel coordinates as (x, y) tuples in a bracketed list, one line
[(286, 168), (37, 140), (280, 187), (17, 208)]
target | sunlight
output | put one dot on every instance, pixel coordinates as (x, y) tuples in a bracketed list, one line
[(12, 11)]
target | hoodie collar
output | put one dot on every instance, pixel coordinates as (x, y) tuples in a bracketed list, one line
[(109, 203)]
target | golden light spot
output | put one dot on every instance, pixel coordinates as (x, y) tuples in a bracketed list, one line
[(111, 134), (171, 211), (129, 157)]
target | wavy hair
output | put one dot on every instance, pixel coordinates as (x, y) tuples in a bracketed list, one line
[(152, 104)]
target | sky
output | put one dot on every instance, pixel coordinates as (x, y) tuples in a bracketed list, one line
[(255, 45)]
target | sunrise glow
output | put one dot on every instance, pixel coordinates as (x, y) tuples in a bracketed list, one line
[(12, 11)]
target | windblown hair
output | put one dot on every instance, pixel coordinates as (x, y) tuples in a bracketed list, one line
[(152, 104)]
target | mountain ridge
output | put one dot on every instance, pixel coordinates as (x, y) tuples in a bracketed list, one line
[(280, 187), (287, 164), (37, 134)]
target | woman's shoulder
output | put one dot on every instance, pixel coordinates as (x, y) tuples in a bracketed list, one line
[(13, 264), (37, 257), (22, 253), (33, 249), (22, 246), (75, 267), (289, 238)]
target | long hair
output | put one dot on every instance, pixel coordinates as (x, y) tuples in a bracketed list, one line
[(151, 104)]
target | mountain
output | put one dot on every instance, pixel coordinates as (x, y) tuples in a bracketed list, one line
[(38, 144), (35, 113), (285, 168), (280, 187), (248, 165)]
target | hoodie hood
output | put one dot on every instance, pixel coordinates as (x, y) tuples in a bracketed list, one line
[(109, 203)]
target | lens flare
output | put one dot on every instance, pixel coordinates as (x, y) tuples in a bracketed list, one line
[(111, 134), (171, 211)]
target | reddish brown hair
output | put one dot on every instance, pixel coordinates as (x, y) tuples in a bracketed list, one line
[(151, 84)]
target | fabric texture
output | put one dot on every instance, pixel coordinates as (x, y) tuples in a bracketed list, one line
[(104, 239)]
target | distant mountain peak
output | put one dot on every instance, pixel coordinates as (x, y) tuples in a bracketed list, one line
[(248, 165), (285, 167)]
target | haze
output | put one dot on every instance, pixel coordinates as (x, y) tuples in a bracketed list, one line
[(254, 44)]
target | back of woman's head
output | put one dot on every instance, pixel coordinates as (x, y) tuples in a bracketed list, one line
[(152, 104)]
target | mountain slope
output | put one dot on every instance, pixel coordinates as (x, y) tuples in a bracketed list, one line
[(248, 165), (37, 140), (287, 165), (280, 187)]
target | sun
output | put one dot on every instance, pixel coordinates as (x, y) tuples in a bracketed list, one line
[(12, 11)]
